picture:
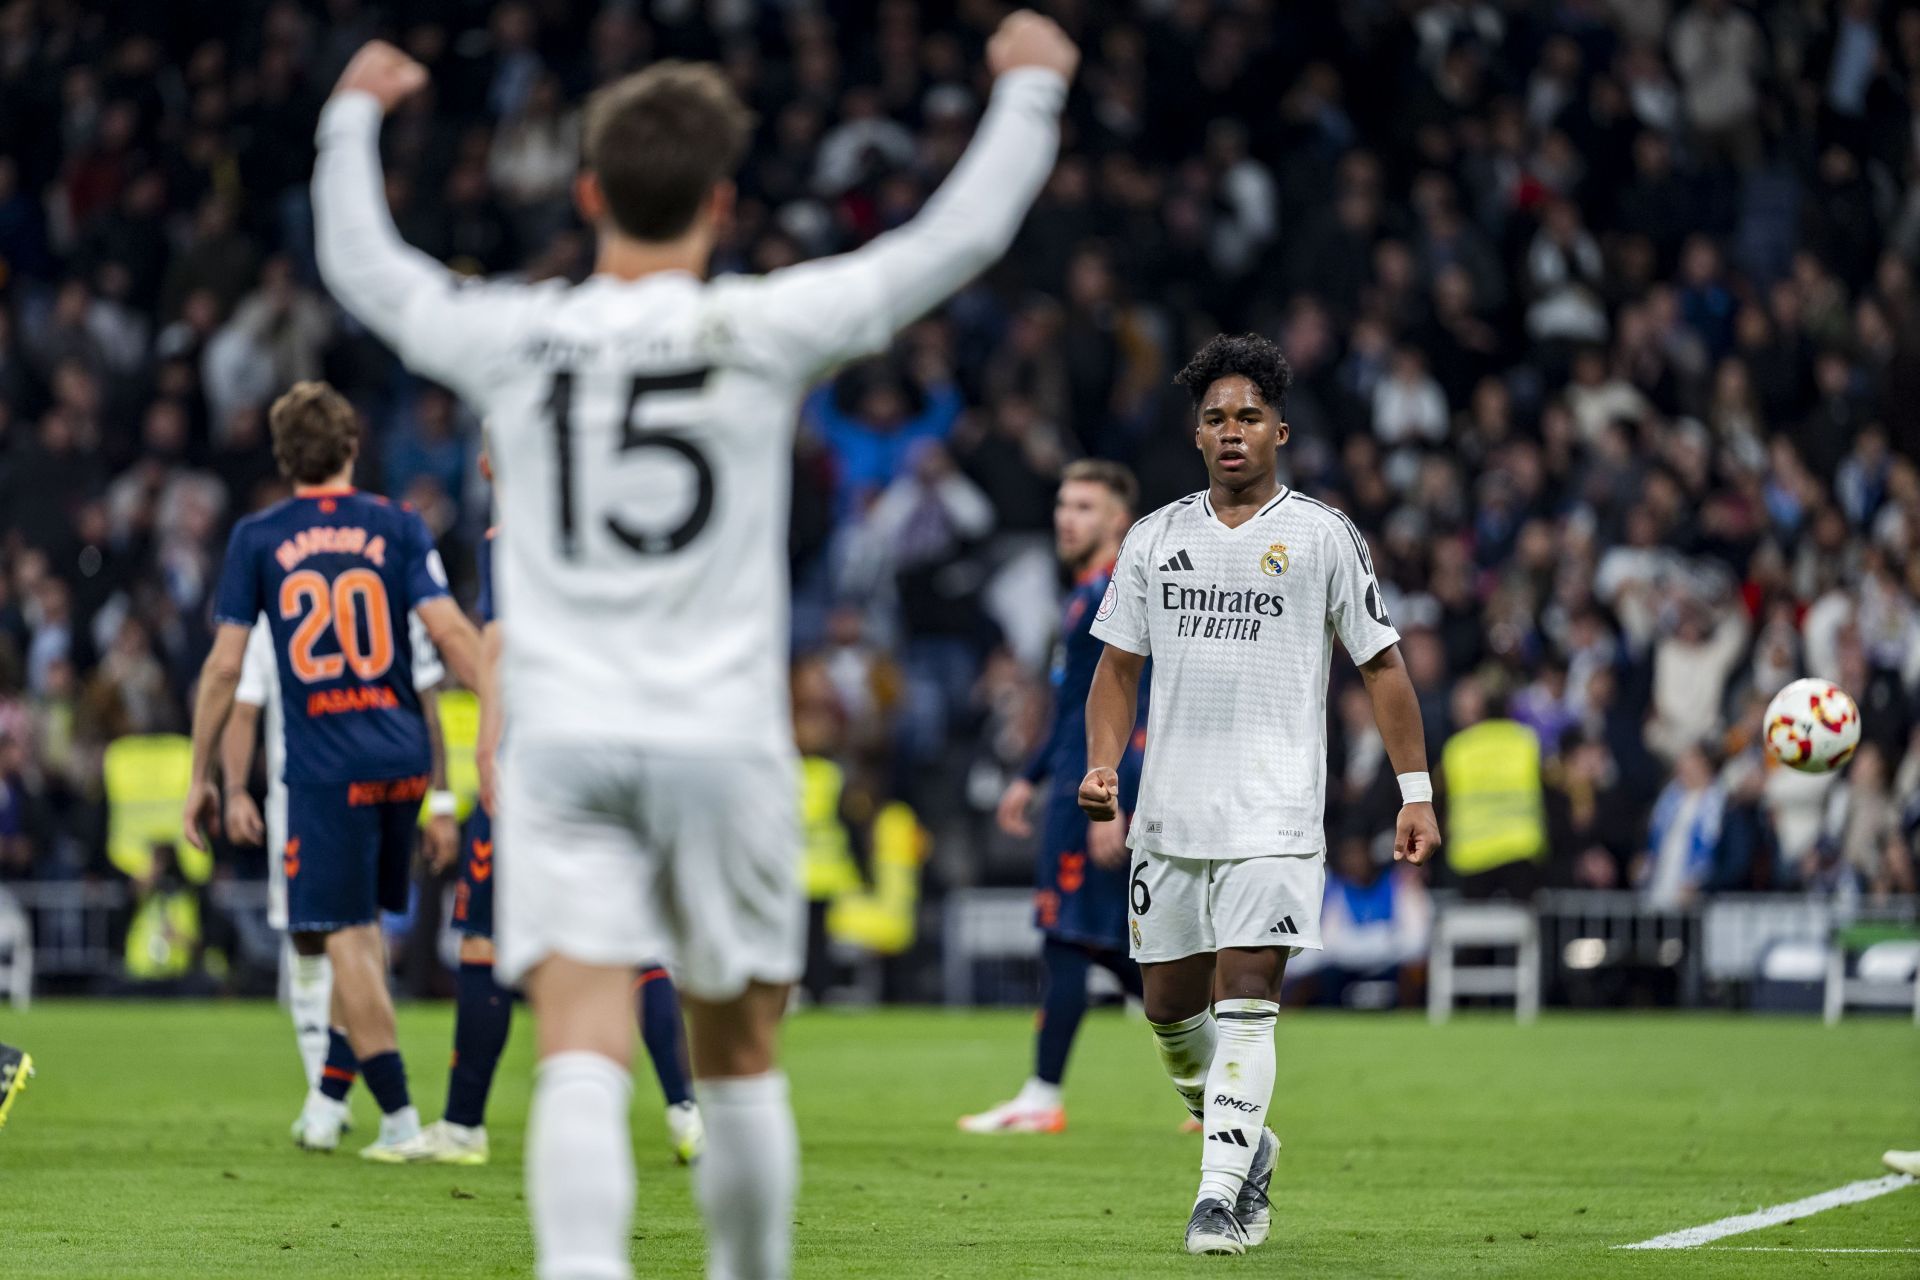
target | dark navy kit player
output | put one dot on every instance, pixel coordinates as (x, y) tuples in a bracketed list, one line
[(336, 573), (1080, 890)]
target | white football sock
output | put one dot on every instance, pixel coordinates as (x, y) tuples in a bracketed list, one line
[(309, 1000), (400, 1126), (1038, 1093), (1239, 1088), (580, 1168), (747, 1179), (1186, 1051)]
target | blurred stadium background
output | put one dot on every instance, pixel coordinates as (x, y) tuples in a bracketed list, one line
[(1605, 330)]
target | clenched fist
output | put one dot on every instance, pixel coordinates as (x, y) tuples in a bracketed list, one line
[(383, 71), (1100, 795), (1416, 836), (1025, 39)]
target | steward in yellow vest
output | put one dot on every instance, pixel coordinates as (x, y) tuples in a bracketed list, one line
[(1495, 807)]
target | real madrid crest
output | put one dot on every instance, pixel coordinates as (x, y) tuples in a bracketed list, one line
[(1275, 562)]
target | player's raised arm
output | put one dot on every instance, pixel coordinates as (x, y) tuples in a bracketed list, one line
[(967, 225), (367, 266), (413, 303)]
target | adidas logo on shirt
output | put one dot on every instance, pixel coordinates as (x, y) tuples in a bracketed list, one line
[(1180, 563), (1285, 926)]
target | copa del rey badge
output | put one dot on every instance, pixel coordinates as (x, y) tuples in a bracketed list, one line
[(1275, 562), (1107, 602)]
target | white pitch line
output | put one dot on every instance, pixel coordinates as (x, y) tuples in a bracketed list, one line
[(1787, 1248), (1852, 1193)]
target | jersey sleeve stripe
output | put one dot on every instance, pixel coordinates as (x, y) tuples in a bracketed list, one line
[(1353, 530)]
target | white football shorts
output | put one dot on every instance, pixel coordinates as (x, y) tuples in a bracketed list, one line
[(1188, 906), (619, 854)]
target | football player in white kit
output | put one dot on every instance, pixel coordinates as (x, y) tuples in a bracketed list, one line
[(1237, 593), (642, 424), (256, 702)]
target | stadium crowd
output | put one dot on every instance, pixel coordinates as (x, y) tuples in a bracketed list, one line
[(1602, 315)]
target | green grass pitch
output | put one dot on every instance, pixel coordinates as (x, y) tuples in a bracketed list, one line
[(154, 1143)]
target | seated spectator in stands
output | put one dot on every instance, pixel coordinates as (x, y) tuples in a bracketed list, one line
[(1374, 925), (1863, 826), (1542, 705), (1683, 835), (872, 418), (1748, 852), (1691, 663), (922, 541), (16, 852), (1594, 829)]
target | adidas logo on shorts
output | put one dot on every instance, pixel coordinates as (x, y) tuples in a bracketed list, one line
[(1285, 926)]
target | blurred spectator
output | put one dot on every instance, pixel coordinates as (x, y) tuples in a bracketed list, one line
[(1683, 834), (1602, 320), (1374, 928)]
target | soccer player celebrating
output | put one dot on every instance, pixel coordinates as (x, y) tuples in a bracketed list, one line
[(310, 985), (337, 572), (1080, 899), (483, 1012), (644, 419), (1237, 593)]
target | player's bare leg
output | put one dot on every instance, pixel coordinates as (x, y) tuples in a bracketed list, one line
[(747, 1178), (580, 1181), (365, 1008)]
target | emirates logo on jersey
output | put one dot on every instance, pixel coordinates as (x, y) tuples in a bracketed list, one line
[(1275, 561)]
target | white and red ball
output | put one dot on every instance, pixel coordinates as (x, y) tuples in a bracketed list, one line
[(1813, 726)]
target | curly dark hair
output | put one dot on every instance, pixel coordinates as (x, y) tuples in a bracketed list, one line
[(1251, 356)]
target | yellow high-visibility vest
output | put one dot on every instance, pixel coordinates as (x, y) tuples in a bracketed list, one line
[(1496, 813), (460, 737), (828, 868), (147, 778), (882, 921), (162, 936)]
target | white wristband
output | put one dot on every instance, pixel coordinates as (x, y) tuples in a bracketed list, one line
[(1415, 788), (442, 804)]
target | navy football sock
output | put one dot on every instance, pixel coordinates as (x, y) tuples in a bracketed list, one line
[(483, 1015), (1122, 967), (662, 1033), (387, 1080), (1061, 1008), (336, 1077)]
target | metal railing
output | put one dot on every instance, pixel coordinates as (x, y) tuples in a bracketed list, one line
[(79, 926)]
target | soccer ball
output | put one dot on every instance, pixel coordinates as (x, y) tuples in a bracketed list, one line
[(1812, 726)]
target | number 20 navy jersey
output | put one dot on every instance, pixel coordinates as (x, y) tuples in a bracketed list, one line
[(336, 574)]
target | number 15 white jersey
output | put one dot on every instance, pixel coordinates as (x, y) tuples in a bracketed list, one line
[(641, 431)]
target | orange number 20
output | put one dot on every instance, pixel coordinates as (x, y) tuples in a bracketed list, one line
[(355, 593)]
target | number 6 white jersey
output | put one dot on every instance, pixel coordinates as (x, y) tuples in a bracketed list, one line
[(1240, 625), (641, 430)]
